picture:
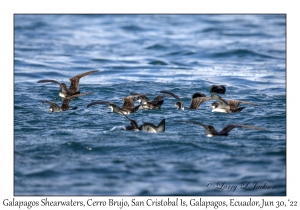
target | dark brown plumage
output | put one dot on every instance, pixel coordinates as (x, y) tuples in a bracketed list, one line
[(127, 108), (217, 89), (148, 127), (197, 99), (74, 84), (179, 104), (228, 106), (210, 130), (65, 105), (145, 102)]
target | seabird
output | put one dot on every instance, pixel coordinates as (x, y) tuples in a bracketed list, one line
[(74, 84), (148, 127), (197, 99), (210, 130), (217, 89), (178, 104), (145, 102), (65, 105), (228, 106), (127, 108)]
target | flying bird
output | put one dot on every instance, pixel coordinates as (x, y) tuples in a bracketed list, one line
[(148, 127), (228, 106), (197, 99), (210, 130), (179, 104), (127, 107), (146, 103), (74, 84)]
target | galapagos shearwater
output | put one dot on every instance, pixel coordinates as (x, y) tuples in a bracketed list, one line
[(210, 130), (197, 99), (217, 89), (179, 104), (148, 127), (228, 106), (65, 105), (74, 84), (127, 108), (145, 102)]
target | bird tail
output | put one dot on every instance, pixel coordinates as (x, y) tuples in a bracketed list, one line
[(161, 126)]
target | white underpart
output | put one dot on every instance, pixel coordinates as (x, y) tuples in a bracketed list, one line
[(61, 95), (151, 130), (126, 113), (111, 108), (143, 106), (209, 135), (50, 109), (139, 100), (218, 110)]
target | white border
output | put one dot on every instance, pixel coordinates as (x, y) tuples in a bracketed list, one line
[(8, 8)]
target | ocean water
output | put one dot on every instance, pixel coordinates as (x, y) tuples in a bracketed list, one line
[(85, 152)]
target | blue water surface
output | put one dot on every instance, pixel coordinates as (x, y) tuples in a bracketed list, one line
[(84, 152)]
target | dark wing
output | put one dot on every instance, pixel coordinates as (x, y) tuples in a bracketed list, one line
[(74, 86), (51, 103), (195, 103), (217, 89), (77, 95), (135, 108), (48, 80), (246, 102), (234, 103), (198, 94), (156, 104), (128, 102), (171, 94), (66, 101), (143, 96), (100, 102), (132, 122), (222, 102), (158, 98), (189, 121), (231, 126), (161, 126)]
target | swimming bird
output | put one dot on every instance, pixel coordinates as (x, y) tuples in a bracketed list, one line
[(145, 102), (197, 99), (228, 106), (210, 130), (127, 107), (65, 105), (217, 89), (74, 84), (179, 104), (148, 127)]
